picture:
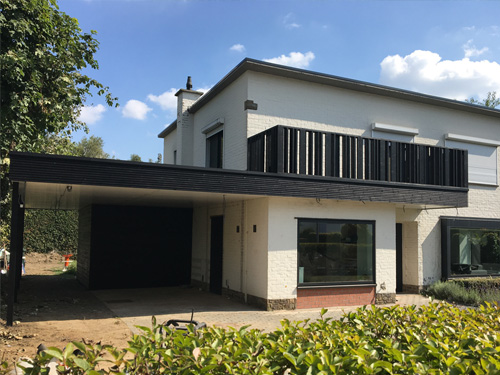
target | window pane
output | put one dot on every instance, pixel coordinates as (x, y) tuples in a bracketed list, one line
[(335, 251), (475, 251), (215, 150)]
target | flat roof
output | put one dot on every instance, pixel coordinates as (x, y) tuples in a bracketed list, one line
[(48, 177)]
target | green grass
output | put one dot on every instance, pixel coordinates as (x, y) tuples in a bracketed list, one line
[(70, 271)]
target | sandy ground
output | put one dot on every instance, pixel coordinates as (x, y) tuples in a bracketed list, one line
[(54, 309)]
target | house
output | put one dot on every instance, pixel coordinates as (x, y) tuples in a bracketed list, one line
[(287, 188)]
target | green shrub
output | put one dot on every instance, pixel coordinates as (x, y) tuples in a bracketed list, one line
[(434, 339), (471, 292)]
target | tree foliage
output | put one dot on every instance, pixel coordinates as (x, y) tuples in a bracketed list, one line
[(42, 53), (91, 147), (491, 100), (135, 157)]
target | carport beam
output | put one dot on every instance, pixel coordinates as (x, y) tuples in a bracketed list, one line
[(16, 250)]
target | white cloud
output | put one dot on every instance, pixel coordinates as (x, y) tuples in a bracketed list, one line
[(295, 59), (203, 89), (166, 101), (470, 50), (91, 114), (237, 48), (289, 21), (135, 109), (427, 72)]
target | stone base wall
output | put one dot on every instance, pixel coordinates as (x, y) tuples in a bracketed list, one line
[(335, 296), (233, 295), (385, 298), (281, 304)]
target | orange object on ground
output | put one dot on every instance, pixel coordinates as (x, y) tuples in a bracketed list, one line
[(66, 259)]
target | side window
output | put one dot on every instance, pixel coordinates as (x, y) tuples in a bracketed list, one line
[(215, 150), (482, 157)]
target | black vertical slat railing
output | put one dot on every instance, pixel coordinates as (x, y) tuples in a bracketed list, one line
[(282, 149)]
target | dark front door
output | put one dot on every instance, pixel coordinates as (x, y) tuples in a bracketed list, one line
[(399, 258), (216, 240)]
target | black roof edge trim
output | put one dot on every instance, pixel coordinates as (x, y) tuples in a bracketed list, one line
[(228, 172)]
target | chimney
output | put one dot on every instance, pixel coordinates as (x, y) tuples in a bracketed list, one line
[(189, 84)]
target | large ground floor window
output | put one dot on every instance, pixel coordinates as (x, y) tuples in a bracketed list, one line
[(470, 247), (336, 251)]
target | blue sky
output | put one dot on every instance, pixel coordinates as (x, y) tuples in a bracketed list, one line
[(149, 47)]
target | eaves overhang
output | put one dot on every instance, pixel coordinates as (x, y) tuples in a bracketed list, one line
[(169, 129), (67, 170), (340, 82)]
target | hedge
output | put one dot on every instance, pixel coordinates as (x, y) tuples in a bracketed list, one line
[(51, 230), (434, 339)]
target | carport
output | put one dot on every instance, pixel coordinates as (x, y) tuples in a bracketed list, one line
[(135, 219)]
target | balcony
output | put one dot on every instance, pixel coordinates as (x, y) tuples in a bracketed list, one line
[(307, 152)]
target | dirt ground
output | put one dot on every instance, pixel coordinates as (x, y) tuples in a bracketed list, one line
[(55, 309)]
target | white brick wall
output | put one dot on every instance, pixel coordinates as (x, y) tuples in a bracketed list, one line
[(185, 133), (411, 261), (302, 104), (256, 252), (169, 146), (283, 214), (229, 105)]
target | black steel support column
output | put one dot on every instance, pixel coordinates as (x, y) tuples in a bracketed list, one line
[(16, 251)]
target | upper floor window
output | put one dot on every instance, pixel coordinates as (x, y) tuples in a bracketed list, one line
[(215, 145), (482, 157), (215, 150)]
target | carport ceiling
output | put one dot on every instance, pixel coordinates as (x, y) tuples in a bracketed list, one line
[(66, 197)]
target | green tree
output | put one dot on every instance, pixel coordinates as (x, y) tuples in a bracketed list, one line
[(491, 100), (43, 53), (135, 157), (91, 147)]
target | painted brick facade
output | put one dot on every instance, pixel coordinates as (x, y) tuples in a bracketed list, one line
[(263, 264)]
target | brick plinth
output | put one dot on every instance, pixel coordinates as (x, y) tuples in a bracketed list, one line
[(338, 296)]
